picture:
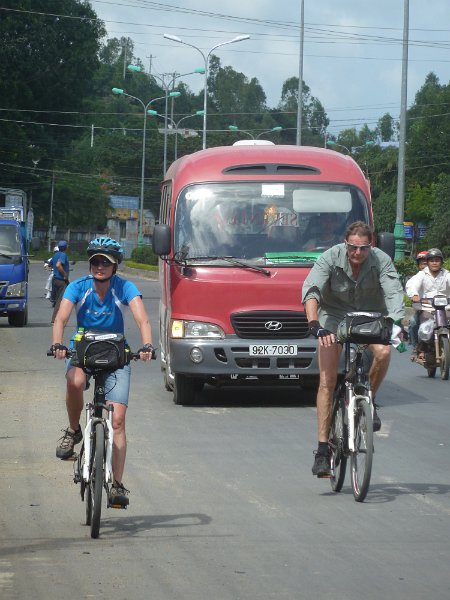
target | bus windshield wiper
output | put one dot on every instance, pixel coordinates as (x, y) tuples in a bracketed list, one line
[(233, 261), (5, 255)]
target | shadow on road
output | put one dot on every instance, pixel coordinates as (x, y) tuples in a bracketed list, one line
[(389, 492), (241, 396), (135, 525)]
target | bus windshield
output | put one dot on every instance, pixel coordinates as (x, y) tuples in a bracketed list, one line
[(266, 222)]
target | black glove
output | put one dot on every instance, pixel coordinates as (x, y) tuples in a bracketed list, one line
[(55, 347), (317, 330), (148, 348)]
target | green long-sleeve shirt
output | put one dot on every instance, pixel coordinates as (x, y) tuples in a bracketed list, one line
[(331, 283)]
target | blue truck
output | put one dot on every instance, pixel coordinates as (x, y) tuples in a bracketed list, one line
[(14, 266)]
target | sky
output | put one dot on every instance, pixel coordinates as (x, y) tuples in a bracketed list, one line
[(352, 53)]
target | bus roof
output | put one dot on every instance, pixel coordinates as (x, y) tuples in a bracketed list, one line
[(266, 162)]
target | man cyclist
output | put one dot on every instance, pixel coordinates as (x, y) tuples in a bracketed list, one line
[(428, 282), (101, 300), (351, 276)]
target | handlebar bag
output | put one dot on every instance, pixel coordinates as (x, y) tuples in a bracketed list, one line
[(364, 328), (100, 351)]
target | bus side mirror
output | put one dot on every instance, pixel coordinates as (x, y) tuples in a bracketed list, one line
[(386, 242), (161, 240)]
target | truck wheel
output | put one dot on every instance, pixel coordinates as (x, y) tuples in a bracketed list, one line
[(18, 319), (183, 389)]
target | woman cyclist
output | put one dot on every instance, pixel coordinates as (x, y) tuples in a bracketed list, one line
[(101, 299)]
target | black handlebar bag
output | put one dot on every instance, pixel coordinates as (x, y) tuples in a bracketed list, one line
[(100, 351), (365, 328)]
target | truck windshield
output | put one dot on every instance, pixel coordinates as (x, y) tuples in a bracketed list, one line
[(10, 248), (283, 222)]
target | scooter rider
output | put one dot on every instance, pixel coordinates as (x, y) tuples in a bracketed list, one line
[(432, 280)]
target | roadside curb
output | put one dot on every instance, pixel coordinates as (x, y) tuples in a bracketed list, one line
[(143, 273)]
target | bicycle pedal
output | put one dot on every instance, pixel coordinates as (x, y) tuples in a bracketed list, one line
[(324, 476), (117, 506)]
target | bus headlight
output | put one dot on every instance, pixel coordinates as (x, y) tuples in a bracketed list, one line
[(196, 330)]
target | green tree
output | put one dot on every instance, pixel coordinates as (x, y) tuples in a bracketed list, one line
[(47, 67), (438, 234), (386, 128), (314, 118), (429, 132)]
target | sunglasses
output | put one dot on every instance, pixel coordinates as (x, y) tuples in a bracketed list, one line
[(101, 262), (354, 248)]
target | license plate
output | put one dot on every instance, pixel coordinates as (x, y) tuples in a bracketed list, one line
[(273, 350)]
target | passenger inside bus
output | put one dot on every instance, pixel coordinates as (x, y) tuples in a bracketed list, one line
[(325, 231)]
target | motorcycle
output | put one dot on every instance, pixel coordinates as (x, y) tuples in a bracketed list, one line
[(433, 349)]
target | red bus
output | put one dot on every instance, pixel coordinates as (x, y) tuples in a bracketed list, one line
[(239, 229)]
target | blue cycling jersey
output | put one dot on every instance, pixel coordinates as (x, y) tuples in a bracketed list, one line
[(108, 315)]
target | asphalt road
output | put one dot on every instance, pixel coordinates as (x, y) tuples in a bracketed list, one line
[(223, 504)]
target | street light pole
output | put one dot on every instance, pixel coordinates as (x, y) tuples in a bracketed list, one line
[(198, 113), (174, 38), (172, 95), (300, 76), (120, 92)]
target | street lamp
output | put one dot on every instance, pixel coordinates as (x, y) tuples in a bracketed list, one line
[(166, 108), (333, 143), (198, 113), (353, 148), (366, 145), (120, 92), (255, 137), (174, 38)]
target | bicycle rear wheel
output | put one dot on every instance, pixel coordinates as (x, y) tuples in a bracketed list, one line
[(336, 442), (96, 480), (361, 458)]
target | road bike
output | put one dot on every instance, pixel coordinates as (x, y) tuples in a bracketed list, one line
[(93, 464), (351, 432)]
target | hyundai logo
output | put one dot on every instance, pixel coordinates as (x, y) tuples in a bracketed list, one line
[(273, 325)]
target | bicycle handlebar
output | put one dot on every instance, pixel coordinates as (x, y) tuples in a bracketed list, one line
[(131, 355)]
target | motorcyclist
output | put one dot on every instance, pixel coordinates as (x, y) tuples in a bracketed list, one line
[(432, 280)]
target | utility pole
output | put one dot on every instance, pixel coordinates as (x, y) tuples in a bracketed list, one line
[(300, 75), (51, 213), (125, 48), (150, 63), (399, 230)]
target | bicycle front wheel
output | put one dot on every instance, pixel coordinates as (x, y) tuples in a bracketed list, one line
[(337, 444), (96, 482), (444, 351), (361, 458)]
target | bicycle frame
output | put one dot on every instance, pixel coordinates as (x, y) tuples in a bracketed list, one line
[(94, 415), (355, 374), (351, 429)]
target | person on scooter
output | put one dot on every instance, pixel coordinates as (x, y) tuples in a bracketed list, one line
[(414, 322), (432, 280)]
